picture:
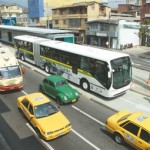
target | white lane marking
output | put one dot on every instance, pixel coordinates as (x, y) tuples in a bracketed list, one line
[(136, 64), (128, 101), (101, 123), (24, 92), (48, 145), (85, 140)]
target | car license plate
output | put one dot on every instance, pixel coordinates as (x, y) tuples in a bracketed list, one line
[(73, 100)]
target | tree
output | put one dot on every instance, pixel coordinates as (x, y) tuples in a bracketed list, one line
[(144, 32)]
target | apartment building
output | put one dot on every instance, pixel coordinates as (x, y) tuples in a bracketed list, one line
[(131, 9), (145, 11), (118, 34), (9, 13), (23, 19), (74, 17)]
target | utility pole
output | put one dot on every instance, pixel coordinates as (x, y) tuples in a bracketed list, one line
[(109, 30)]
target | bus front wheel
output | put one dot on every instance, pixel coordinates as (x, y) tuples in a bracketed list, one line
[(85, 85)]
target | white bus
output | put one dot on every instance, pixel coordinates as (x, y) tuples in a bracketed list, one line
[(107, 73), (10, 71)]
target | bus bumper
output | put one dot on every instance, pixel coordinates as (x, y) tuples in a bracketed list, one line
[(11, 87)]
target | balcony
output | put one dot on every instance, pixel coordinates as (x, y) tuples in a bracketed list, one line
[(70, 16)]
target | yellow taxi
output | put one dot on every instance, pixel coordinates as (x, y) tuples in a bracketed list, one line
[(46, 118), (131, 128)]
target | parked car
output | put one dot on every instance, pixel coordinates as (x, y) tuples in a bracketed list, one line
[(58, 88), (46, 118), (131, 128)]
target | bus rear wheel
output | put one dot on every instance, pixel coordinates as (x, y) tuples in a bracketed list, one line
[(22, 57), (85, 85), (47, 68)]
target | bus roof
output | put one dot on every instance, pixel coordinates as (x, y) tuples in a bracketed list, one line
[(29, 38), (85, 50), (7, 58), (35, 30)]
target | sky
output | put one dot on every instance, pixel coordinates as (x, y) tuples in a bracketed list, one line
[(55, 3)]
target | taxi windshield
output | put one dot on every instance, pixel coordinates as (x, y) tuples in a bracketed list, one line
[(45, 110)]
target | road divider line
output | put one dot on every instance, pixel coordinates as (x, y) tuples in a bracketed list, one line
[(84, 113), (47, 145), (85, 140), (24, 92)]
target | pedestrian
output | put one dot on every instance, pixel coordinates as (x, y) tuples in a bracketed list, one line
[(107, 44)]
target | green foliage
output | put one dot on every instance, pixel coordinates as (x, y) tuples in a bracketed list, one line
[(144, 31)]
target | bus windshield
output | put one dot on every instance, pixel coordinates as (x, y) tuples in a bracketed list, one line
[(122, 72), (10, 72)]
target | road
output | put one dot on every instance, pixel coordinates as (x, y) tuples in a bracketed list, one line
[(87, 118), (141, 63)]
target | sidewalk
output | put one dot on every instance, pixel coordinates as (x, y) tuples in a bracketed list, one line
[(139, 80)]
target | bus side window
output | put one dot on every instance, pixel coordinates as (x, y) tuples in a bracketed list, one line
[(85, 63)]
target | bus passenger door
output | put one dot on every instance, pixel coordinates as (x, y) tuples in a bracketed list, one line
[(36, 52), (75, 63)]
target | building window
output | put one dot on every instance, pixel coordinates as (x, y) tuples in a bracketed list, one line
[(64, 21), (104, 27), (93, 6), (94, 26), (76, 23), (56, 21), (55, 11)]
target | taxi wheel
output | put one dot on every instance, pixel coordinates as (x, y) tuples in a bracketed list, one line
[(118, 138)]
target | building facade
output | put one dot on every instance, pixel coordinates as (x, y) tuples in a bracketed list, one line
[(35, 11), (74, 17), (116, 34), (145, 11), (9, 13)]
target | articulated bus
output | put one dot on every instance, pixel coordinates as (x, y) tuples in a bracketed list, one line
[(104, 72), (11, 77)]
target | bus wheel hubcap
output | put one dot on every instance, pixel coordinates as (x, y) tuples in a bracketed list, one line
[(85, 86)]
